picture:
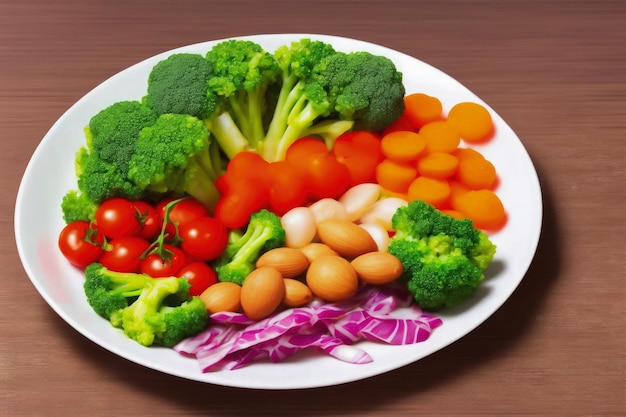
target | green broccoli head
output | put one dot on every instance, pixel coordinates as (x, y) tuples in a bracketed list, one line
[(179, 84), (173, 156), (363, 87), (443, 258), (298, 59), (419, 219), (151, 311), (77, 206), (111, 137), (263, 233), (445, 283), (108, 291), (240, 65), (242, 73), (300, 102), (115, 130), (100, 180), (173, 324)]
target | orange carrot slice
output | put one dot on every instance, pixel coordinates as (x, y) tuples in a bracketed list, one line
[(483, 207), (440, 136), (395, 176), (472, 121), (421, 108), (437, 165), (476, 173), (402, 146), (467, 153), (431, 190)]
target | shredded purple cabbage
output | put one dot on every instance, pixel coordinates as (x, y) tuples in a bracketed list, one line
[(382, 314)]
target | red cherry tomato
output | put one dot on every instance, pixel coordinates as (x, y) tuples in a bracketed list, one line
[(116, 217), (124, 254), (303, 148), (287, 187), (169, 265), (243, 198), (199, 275), (247, 165), (204, 238), (148, 219), (81, 243), (183, 212), (359, 151), (325, 176)]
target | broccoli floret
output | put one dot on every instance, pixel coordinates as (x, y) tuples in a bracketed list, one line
[(174, 324), (301, 102), (443, 257), (179, 84), (242, 72), (102, 164), (114, 131), (264, 232), (109, 291), (363, 87), (77, 206), (327, 93), (142, 306), (174, 156)]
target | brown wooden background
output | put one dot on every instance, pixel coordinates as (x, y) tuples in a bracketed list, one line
[(554, 70)]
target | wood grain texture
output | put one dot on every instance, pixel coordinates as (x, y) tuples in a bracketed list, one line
[(554, 70)]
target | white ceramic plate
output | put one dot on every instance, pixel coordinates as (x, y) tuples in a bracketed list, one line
[(50, 174)]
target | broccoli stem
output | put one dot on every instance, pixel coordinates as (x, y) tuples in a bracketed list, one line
[(291, 90), (253, 244), (255, 115), (127, 284), (247, 112), (210, 161), (200, 186), (300, 117), (227, 134), (239, 111), (329, 130)]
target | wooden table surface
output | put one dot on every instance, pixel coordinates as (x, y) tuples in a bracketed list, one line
[(554, 70)]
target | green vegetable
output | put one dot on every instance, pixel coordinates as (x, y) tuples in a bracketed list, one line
[(102, 164), (151, 311), (175, 156), (443, 257), (326, 93), (242, 74), (77, 206), (300, 101), (179, 84), (363, 87), (264, 232)]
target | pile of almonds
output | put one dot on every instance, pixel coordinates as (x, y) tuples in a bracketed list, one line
[(330, 269)]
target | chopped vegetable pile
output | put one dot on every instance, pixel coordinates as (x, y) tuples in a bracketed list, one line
[(253, 204)]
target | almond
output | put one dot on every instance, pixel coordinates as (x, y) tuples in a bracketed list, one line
[(315, 249), (346, 238), (332, 278), (222, 296), (290, 262), (377, 267), (262, 292), (297, 294)]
